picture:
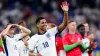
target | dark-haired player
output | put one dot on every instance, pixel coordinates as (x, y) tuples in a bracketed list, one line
[(86, 41), (44, 40), (91, 42)]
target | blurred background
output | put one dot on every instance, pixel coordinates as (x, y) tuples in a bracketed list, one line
[(12, 11)]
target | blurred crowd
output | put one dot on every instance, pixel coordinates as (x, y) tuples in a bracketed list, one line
[(12, 11)]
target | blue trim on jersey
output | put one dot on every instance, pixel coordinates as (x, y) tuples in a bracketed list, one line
[(37, 49), (5, 47), (40, 33)]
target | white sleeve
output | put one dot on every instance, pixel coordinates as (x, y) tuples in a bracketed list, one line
[(32, 43), (17, 37), (53, 31), (61, 53)]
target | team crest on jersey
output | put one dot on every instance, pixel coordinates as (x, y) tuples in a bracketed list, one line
[(48, 35)]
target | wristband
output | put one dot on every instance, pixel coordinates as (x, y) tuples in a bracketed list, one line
[(65, 13), (20, 27)]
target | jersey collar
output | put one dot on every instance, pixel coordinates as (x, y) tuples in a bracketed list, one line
[(40, 33)]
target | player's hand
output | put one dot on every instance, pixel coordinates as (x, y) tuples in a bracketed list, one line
[(79, 42), (94, 46), (16, 25), (65, 6), (13, 25), (91, 37), (39, 55), (10, 25)]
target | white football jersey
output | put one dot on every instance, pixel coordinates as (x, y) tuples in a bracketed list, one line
[(44, 44), (87, 43), (12, 45), (23, 50)]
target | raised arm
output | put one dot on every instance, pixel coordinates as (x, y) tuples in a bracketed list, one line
[(5, 31), (25, 32), (65, 7)]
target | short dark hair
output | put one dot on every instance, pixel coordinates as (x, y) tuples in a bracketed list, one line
[(38, 19), (21, 22), (79, 26)]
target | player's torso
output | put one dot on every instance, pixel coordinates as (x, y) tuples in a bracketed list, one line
[(23, 50), (12, 47), (46, 45), (73, 38)]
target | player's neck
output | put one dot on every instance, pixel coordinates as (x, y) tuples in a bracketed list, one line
[(41, 32), (71, 32), (11, 35)]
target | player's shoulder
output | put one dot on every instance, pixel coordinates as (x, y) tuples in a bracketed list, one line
[(35, 37), (20, 42), (77, 33), (8, 37), (17, 35), (86, 39), (58, 38), (66, 35), (54, 28)]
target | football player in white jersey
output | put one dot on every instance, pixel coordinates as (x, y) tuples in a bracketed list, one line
[(23, 46), (11, 39), (44, 40)]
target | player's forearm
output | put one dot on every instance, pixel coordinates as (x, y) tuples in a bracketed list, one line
[(5, 31), (24, 29), (64, 23), (70, 47), (83, 47)]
